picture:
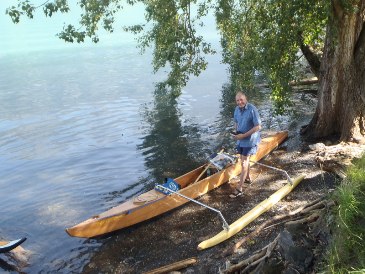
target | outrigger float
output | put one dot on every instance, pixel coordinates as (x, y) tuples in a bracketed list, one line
[(250, 216)]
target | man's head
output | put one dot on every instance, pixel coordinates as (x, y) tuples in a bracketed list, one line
[(241, 99)]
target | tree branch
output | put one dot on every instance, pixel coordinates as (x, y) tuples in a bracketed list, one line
[(312, 58), (253, 260)]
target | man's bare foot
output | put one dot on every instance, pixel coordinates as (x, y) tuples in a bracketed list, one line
[(236, 193)]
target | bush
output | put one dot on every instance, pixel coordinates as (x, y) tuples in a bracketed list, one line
[(347, 251)]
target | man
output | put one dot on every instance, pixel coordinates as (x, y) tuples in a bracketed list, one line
[(247, 124)]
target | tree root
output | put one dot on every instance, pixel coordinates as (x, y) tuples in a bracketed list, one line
[(337, 158)]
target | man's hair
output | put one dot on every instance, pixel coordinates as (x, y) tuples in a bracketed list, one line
[(240, 93)]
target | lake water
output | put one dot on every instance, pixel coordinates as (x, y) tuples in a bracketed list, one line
[(81, 131)]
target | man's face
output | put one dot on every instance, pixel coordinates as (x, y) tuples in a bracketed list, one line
[(241, 100)]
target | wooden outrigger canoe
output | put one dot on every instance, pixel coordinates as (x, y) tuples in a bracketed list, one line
[(154, 203)]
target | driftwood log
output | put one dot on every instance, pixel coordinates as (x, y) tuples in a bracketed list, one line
[(304, 82), (15, 260), (174, 266)]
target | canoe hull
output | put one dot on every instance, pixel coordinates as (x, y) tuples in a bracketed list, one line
[(128, 213)]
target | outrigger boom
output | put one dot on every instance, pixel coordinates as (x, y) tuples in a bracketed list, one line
[(225, 224), (277, 169)]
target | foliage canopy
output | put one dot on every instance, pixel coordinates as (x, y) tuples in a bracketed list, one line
[(257, 36)]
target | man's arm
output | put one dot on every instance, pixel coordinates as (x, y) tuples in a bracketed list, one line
[(248, 133)]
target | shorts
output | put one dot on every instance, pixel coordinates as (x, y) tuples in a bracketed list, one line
[(245, 151)]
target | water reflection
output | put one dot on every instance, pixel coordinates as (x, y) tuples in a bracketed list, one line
[(169, 148), (71, 151)]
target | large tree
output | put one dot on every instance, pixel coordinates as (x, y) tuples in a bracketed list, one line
[(258, 36), (341, 102)]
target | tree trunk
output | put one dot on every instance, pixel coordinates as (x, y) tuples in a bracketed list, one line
[(341, 95)]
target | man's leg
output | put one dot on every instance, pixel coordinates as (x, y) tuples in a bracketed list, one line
[(248, 178), (245, 173), (245, 161)]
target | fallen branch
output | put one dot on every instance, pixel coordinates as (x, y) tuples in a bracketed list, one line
[(318, 205), (304, 82), (315, 212), (269, 250), (254, 259), (308, 219), (173, 266), (292, 218)]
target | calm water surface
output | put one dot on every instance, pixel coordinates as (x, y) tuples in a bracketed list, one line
[(81, 131)]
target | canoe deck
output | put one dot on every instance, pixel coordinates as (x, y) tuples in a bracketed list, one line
[(153, 203)]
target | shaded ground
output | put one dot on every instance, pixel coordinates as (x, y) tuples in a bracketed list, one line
[(176, 235)]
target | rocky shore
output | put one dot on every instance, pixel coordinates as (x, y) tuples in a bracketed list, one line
[(290, 238)]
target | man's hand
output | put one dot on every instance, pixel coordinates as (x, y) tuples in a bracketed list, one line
[(238, 136)]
